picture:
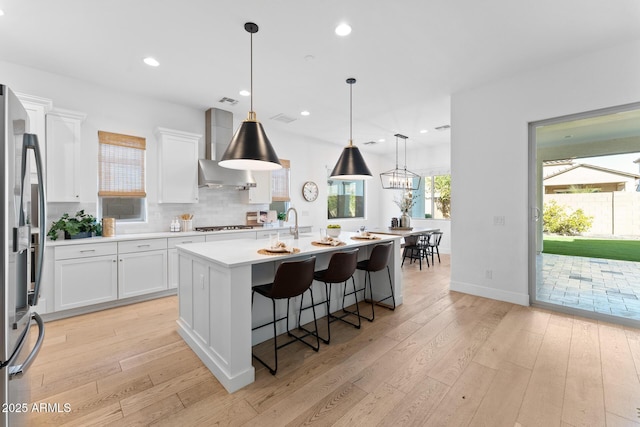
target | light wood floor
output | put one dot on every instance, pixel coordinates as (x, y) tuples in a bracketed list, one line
[(442, 358)]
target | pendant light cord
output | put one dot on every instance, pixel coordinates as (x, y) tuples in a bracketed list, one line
[(350, 114), (251, 68)]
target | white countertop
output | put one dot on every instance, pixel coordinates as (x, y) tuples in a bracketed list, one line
[(245, 251), (158, 235)]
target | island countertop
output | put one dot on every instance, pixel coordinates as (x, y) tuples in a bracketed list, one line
[(245, 251)]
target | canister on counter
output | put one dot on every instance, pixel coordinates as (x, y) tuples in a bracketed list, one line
[(108, 227)]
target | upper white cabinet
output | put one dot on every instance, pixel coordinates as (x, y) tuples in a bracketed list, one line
[(178, 166), (63, 155), (37, 108), (261, 193)]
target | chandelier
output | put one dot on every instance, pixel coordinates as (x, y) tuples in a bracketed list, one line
[(400, 179)]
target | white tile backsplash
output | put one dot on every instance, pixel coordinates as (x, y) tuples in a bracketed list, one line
[(223, 206)]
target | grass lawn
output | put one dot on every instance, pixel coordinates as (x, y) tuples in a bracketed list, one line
[(625, 250)]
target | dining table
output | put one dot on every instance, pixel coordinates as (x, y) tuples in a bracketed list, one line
[(402, 231)]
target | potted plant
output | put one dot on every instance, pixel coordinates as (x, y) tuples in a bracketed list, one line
[(75, 227), (333, 230), (282, 217)]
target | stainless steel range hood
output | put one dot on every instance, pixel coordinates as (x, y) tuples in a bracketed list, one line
[(218, 133)]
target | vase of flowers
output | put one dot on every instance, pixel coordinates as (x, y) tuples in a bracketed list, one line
[(405, 203), (405, 220)]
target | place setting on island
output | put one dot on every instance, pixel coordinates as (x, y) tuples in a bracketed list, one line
[(278, 247), (329, 237)]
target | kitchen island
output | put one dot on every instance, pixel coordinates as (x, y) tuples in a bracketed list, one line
[(214, 290)]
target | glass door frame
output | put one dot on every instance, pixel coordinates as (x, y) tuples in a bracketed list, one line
[(535, 199)]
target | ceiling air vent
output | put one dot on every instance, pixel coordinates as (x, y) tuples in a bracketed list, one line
[(370, 143), (443, 127), (283, 118), (229, 101)]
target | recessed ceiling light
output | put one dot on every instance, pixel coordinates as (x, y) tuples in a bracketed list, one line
[(424, 131), (245, 92), (152, 62), (305, 113), (1, 12), (381, 140), (343, 29)]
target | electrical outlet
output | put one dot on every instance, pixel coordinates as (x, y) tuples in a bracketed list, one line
[(488, 274), (498, 220)]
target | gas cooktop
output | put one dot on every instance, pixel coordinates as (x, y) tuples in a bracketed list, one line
[(224, 227)]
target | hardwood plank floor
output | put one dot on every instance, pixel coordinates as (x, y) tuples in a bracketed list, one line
[(442, 358)]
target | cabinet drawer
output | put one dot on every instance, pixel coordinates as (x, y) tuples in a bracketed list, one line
[(86, 250), (265, 234), (141, 245), (173, 241)]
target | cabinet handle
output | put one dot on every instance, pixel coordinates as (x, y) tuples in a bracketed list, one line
[(115, 260), (143, 246), (187, 241), (87, 250)]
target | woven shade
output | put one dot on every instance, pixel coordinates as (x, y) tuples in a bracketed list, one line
[(280, 182), (121, 161)]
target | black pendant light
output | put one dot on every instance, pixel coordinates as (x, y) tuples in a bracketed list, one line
[(250, 148), (351, 165), (400, 179)]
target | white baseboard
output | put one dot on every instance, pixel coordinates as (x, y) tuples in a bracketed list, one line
[(492, 293)]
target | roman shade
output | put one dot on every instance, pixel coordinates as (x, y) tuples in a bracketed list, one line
[(280, 182), (121, 161)]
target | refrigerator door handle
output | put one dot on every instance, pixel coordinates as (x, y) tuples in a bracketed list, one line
[(19, 370), (30, 141)]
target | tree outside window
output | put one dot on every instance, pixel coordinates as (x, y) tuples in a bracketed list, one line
[(345, 199), (434, 198)]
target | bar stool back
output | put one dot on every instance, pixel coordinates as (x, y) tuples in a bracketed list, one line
[(292, 278), (378, 260)]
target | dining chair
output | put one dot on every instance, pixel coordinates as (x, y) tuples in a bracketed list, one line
[(434, 244)]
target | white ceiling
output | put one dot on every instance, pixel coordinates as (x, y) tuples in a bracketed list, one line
[(408, 56)]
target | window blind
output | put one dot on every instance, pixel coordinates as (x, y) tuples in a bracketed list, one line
[(280, 182), (121, 160)]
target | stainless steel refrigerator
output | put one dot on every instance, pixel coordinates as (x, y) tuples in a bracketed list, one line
[(17, 296)]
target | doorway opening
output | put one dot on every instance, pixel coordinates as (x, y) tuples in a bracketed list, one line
[(585, 230)]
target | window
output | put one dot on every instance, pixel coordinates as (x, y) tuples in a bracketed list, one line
[(121, 177), (434, 198), (345, 199), (280, 182)]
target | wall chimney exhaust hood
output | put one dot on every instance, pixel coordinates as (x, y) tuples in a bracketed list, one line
[(219, 128)]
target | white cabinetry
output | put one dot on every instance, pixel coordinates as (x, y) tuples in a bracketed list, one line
[(85, 274), (37, 108), (142, 267), (63, 155), (178, 166), (261, 193), (172, 253), (237, 235)]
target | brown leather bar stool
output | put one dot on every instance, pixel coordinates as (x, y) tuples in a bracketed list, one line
[(292, 279), (341, 267), (378, 261)]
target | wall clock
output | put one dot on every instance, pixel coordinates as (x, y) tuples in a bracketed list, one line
[(310, 191)]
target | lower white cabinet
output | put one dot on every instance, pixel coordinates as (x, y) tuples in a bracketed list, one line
[(172, 253), (84, 275), (142, 267)]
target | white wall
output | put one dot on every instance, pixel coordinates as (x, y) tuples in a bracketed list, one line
[(489, 160), (115, 111)]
